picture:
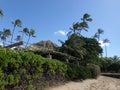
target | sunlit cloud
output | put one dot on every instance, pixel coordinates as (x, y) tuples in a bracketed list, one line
[(103, 44), (61, 32)]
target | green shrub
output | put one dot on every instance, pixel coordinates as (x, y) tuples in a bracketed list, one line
[(95, 70), (24, 69), (78, 72)]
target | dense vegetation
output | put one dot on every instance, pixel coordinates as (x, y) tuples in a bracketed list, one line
[(110, 64), (81, 47), (20, 69)]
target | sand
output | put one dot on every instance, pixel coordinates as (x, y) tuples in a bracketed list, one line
[(102, 83)]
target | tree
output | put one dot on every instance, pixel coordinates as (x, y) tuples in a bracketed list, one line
[(25, 31), (74, 29), (79, 26), (18, 38), (73, 46), (84, 24), (93, 50), (105, 41), (1, 12), (97, 35), (86, 18), (116, 58), (17, 23), (30, 34), (81, 47), (6, 33)]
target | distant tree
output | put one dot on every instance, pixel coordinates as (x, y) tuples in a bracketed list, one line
[(105, 41), (17, 23), (4, 34), (30, 34), (116, 58)]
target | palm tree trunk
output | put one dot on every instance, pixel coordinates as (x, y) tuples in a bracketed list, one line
[(106, 50), (27, 42), (22, 36), (3, 43), (98, 38), (12, 35)]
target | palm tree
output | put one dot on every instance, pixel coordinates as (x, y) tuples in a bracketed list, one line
[(78, 27), (24, 31), (100, 31), (86, 18), (6, 33), (17, 23), (97, 35), (18, 38), (1, 12), (84, 24), (74, 29), (105, 41), (30, 34)]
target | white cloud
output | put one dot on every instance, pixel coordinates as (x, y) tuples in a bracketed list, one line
[(61, 32), (103, 44)]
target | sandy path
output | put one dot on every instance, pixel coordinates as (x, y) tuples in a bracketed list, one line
[(102, 83)]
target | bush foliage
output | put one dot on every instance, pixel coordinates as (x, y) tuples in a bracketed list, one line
[(20, 69)]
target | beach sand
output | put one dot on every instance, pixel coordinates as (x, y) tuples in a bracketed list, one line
[(102, 83)]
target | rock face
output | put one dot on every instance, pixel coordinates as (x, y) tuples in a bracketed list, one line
[(43, 45)]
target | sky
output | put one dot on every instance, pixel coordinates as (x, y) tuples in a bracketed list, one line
[(51, 19)]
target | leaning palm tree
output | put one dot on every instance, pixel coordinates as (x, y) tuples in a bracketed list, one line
[(105, 41), (84, 24), (100, 31), (79, 26), (24, 31), (6, 33), (74, 29), (30, 34), (18, 39), (1, 12), (97, 35), (17, 23), (86, 18)]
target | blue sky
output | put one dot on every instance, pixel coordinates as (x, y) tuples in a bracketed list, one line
[(52, 18)]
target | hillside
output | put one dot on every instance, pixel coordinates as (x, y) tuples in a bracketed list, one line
[(42, 45)]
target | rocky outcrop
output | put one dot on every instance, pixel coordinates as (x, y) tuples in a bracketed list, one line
[(43, 45)]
